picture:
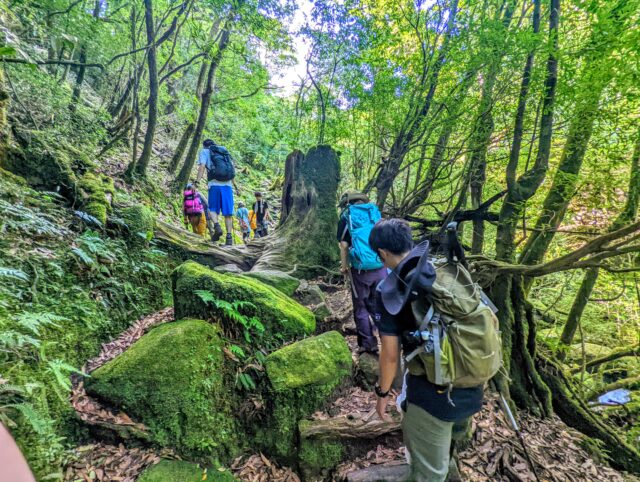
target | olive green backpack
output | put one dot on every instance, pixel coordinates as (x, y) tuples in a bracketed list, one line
[(461, 345)]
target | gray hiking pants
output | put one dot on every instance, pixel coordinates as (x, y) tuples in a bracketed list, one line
[(428, 440), (364, 286)]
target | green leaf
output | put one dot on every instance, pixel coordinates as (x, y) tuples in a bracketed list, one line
[(7, 51)]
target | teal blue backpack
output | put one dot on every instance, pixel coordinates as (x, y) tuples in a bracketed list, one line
[(360, 220)]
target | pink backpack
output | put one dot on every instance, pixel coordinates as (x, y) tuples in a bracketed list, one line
[(192, 204)]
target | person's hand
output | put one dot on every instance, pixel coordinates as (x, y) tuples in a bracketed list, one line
[(381, 407), (344, 269)]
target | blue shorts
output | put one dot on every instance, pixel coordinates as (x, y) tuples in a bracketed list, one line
[(221, 200)]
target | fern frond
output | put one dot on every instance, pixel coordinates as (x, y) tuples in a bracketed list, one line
[(84, 257), (205, 296), (40, 424), (15, 274)]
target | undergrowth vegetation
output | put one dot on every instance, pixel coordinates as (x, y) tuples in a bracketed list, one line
[(64, 290)]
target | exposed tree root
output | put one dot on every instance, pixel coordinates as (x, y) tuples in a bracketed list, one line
[(574, 411)]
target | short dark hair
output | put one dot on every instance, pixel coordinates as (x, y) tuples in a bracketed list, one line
[(257, 194), (208, 142), (394, 235)]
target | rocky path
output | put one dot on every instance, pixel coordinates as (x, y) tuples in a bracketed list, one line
[(373, 448)]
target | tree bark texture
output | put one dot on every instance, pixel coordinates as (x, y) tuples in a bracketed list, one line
[(152, 116), (182, 146), (305, 241), (339, 428)]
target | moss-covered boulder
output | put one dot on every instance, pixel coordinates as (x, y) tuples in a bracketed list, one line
[(281, 316), (140, 222), (46, 162), (278, 279), (96, 191), (173, 471), (172, 380), (303, 377), (317, 457)]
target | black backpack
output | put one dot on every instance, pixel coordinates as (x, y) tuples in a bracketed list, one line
[(220, 167)]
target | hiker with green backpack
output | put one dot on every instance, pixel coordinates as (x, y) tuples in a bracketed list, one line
[(432, 312), (359, 263)]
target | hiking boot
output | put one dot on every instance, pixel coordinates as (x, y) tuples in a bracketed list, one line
[(229, 241), (217, 232)]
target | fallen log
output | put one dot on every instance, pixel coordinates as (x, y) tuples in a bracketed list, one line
[(614, 355), (386, 472), (348, 428)]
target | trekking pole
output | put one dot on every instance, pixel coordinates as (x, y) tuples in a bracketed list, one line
[(514, 425), (350, 281)]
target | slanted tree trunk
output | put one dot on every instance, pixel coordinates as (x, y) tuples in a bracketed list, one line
[(152, 117), (194, 148), (182, 146), (484, 125), (418, 112), (596, 74), (627, 215), (305, 241), (4, 104)]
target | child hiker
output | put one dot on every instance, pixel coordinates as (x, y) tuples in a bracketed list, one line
[(243, 217)]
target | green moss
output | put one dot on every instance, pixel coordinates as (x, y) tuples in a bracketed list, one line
[(303, 377), (278, 279), (45, 161), (317, 457), (314, 361), (14, 178), (181, 471), (96, 191), (281, 316), (171, 380), (140, 221)]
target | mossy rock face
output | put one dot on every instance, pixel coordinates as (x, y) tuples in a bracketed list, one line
[(172, 380), (303, 377), (173, 471), (46, 162), (140, 221), (96, 191), (319, 360), (318, 457), (278, 279), (281, 316), (309, 294)]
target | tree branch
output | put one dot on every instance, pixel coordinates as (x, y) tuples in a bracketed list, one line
[(244, 96), (66, 10), (51, 62), (181, 66)]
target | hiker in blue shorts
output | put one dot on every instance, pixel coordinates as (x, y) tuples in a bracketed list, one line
[(218, 163)]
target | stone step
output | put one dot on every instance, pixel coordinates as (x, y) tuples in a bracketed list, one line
[(384, 472)]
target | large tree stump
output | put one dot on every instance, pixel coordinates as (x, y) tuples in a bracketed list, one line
[(305, 241)]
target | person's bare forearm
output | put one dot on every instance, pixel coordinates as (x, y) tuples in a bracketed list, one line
[(389, 356), (200, 173)]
